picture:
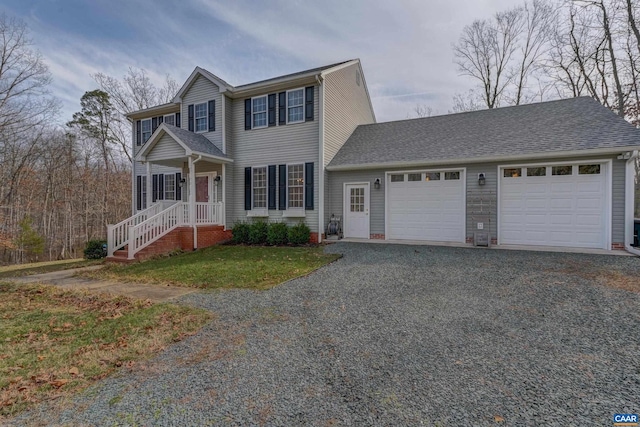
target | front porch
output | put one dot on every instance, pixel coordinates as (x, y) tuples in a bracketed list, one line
[(198, 190)]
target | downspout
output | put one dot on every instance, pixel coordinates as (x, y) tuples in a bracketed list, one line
[(192, 200), (321, 169), (630, 204)]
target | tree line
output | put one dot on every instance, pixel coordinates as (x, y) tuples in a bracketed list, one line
[(61, 184)]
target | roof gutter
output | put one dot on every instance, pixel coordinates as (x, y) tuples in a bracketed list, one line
[(486, 159), (630, 201)]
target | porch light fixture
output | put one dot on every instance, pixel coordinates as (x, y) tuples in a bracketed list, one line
[(481, 178), (182, 182), (376, 184), (217, 178)]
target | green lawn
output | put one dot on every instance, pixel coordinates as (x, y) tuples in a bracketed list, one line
[(55, 342), (225, 266), (44, 267)]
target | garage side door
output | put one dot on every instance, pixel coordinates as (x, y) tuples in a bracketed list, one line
[(560, 205), (426, 206)]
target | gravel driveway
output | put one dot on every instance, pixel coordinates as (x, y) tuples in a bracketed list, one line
[(398, 335)]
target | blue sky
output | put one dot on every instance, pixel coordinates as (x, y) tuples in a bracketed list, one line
[(404, 45)]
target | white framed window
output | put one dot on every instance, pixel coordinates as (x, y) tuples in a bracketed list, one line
[(295, 105), (259, 187), (295, 187), (200, 115), (170, 186), (143, 191), (259, 112), (169, 119), (146, 129)]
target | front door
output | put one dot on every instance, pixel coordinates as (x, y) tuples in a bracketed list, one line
[(356, 207), (202, 189)]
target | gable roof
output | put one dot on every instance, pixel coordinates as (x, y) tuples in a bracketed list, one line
[(546, 129), (224, 86), (193, 143), (293, 75)]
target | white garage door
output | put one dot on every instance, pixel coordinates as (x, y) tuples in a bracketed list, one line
[(559, 205), (426, 206)]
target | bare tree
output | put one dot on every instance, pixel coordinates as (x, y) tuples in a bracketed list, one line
[(420, 111), (469, 101), (136, 91)]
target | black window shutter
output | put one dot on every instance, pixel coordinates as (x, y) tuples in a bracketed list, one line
[(191, 119), (178, 187), (178, 124), (272, 109), (139, 192), (161, 186), (154, 124), (308, 105), (160, 120), (282, 187), (212, 115), (282, 108), (308, 186), (247, 114), (271, 176), (247, 189), (154, 179), (138, 132)]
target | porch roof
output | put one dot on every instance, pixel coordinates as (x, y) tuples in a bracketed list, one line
[(189, 143)]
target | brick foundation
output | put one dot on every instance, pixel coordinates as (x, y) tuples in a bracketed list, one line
[(314, 238), (617, 246), (180, 238), (376, 236)]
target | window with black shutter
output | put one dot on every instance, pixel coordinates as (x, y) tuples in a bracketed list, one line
[(282, 108), (212, 115), (308, 104), (191, 118)]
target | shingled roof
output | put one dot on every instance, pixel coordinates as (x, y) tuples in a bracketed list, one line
[(196, 142), (535, 130)]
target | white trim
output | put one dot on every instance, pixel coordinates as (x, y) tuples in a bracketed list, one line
[(304, 99), (222, 85), (206, 117), (266, 112), (149, 185), (463, 178), (294, 213), (488, 159), (210, 190), (133, 169), (321, 165), (223, 124), (164, 118), (303, 186), (224, 195), (266, 187), (608, 185), (164, 186), (367, 204), (142, 132), (629, 207)]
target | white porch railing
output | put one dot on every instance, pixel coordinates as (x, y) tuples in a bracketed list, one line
[(147, 226)]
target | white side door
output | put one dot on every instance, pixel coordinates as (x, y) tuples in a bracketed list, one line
[(356, 208)]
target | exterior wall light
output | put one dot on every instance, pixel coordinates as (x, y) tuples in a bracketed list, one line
[(217, 178), (376, 184), (481, 178)]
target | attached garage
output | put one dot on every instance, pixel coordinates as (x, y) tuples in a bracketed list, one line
[(564, 205), (426, 205)]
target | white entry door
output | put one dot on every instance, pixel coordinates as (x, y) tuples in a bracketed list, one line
[(356, 207)]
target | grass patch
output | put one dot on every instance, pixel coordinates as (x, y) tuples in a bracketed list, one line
[(226, 266), (54, 342), (44, 267)]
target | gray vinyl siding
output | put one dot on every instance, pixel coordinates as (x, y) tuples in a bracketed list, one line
[(481, 201), (346, 105), (276, 145), (230, 167), (165, 148), (202, 90)]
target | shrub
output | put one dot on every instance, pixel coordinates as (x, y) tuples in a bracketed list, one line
[(299, 234), (240, 232), (258, 233), (95, 249), (277, 234)]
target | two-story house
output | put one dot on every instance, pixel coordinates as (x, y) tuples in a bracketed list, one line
[(220, 154), (306, 146)]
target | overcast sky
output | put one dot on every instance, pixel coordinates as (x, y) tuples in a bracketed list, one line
[(404, 45)]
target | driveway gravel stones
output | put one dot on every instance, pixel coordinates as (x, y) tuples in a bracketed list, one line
[(396, 335)]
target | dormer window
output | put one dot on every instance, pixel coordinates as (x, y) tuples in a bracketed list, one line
[(259, 111), (201, 117), (295, 105)]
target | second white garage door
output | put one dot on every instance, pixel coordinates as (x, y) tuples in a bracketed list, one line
[(426, 205), (558, 205)]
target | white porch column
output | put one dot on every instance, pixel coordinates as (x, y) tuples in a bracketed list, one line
[(192, 201), (223, 214), (149, 186)]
